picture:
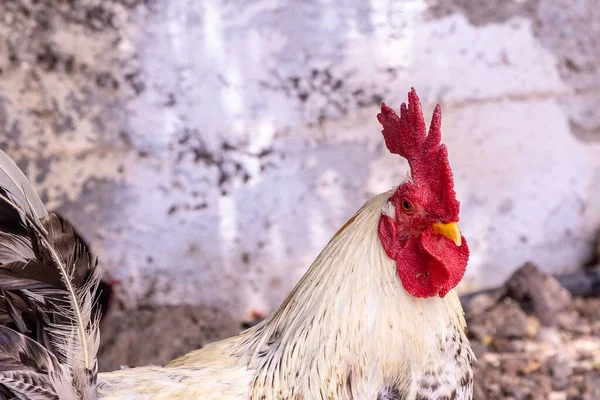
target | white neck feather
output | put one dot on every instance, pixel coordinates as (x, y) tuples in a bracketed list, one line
[(350, 312)]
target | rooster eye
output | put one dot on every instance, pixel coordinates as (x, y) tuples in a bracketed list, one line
[(407, 206)]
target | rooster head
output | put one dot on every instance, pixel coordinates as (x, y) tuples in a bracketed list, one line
[(419, 223)]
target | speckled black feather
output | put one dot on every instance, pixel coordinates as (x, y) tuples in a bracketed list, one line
[(26, 367), (43, 268)]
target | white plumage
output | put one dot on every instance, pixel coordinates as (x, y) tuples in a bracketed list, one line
[(347, 331)]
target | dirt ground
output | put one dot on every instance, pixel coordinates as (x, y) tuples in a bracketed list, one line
[(532, 340), (157, 335)]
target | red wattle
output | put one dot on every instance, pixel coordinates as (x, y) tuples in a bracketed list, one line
[(452, 258), (428, 264)]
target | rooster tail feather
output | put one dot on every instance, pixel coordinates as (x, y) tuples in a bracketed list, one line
[(49, 333)]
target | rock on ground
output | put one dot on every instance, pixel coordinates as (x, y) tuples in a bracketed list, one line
[(538, 293)]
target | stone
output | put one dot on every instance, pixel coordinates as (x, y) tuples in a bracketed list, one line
[(549, 335), (561, 371), (538, 293)]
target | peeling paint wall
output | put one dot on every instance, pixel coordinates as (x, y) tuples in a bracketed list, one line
[(209, 150)]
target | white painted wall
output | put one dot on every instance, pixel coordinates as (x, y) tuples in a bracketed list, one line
[(283, 101)]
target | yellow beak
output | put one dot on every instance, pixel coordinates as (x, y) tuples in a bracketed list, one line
[(450, 230)]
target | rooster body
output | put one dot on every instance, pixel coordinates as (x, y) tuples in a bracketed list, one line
[(374, 317), (341, 334)]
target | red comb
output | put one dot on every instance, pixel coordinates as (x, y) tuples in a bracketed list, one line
[(427, 158)]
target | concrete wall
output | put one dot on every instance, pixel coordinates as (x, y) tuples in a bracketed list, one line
[(209, 150)]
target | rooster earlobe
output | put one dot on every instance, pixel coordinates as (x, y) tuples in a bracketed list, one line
[(387, 235)]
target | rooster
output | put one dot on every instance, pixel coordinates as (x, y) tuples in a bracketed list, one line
[(374, 317)]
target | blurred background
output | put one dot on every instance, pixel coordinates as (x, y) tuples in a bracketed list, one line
[(208, 150)]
